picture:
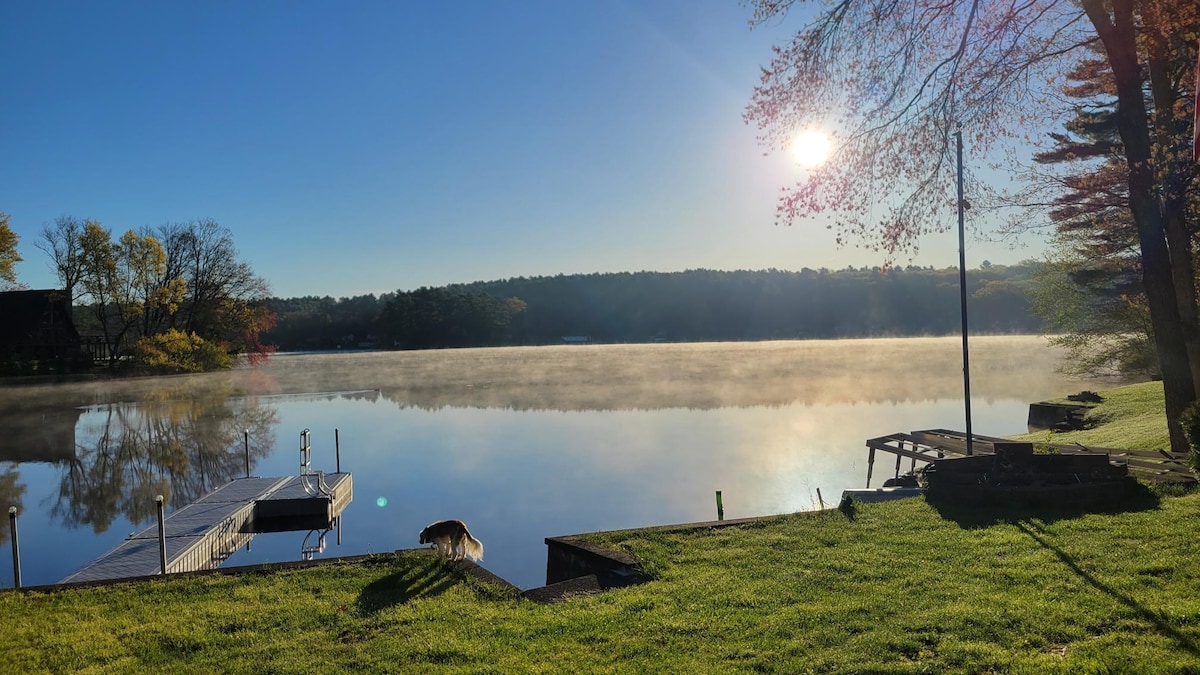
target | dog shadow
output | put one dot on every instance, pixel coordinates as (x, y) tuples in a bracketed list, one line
[(428, 577)]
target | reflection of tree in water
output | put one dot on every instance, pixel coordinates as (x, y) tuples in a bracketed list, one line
[(177, 447), (11, 493)]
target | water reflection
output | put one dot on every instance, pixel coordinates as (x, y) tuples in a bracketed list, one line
[(167, 445), (523, 443), (12, 492)]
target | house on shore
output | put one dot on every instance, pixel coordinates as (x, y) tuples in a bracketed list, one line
[(36, 328)]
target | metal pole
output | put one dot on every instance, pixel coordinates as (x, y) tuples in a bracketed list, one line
[(247, 437), (720, 507), (962, 288), (304, 452), (337, 452), (16, 548), (162, 536)]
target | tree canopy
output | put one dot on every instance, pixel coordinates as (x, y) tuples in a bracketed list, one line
[(177, 296), (8, 251), (896, 79)]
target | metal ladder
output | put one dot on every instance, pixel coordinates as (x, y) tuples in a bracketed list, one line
[(313, 481)]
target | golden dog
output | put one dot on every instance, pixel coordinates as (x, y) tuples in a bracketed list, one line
[(453, 540)]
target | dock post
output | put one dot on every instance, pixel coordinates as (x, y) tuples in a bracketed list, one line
[(337, 452), (338, 524), (899, 458), (720, 507), (162, 536), (870, 464), (12, 528), (246, 435)]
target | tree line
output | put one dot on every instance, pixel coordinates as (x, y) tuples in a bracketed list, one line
[(696, 305)]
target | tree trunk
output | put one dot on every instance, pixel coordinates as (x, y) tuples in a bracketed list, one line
[(1175, 165), (1118, 34), (1180, 243)]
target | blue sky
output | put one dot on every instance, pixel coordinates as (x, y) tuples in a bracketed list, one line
[(364, 147)]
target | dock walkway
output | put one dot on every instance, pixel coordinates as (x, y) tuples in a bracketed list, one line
[(932, 444), (205, 533)]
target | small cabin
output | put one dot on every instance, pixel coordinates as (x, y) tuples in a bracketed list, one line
[(37, 325)]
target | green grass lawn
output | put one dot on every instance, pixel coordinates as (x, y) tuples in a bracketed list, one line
[(1129, 417), (894, 587)]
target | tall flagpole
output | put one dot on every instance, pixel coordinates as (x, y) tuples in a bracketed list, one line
[(962, 288)]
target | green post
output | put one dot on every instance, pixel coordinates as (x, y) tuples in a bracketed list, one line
[(720, 507)]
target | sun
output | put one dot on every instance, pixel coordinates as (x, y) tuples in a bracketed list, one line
[(810, 148)]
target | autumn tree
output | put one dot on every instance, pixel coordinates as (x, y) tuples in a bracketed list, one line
[(8, 252), (1090, 291), (120, 281), (225, 301), (896, 79), (189, 280)]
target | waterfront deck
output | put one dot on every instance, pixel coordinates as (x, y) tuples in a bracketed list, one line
[(929, 445), (205, 533)]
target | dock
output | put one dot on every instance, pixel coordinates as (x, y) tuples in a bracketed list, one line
[(933, 444), (206, 532)]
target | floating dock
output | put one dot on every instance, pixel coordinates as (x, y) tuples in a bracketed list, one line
[(933, 444), (205, 533)]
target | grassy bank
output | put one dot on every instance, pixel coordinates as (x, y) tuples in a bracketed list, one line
[(896, 587), (1129, 417)]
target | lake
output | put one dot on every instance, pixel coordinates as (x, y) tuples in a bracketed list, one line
[(522, 443)]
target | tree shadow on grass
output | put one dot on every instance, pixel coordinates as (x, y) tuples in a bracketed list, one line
[(417, 578), (1036, 532), (1031, 518)]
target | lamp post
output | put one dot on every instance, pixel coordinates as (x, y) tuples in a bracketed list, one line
[(962, 289)]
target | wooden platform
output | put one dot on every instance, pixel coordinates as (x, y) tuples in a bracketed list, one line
[(926, 446), (205, 533)]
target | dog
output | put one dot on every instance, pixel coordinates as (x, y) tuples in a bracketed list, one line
[(453, 540)]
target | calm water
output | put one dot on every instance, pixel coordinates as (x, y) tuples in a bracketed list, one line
[(522, 443)]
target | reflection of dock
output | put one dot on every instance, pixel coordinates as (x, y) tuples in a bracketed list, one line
[(204, 533), (927, 446)]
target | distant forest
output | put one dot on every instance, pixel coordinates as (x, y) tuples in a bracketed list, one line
[(692, 306)]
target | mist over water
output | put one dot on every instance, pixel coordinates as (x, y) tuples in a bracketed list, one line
[(522, 443)]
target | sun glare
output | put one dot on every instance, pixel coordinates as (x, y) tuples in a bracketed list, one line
[(810, 148)]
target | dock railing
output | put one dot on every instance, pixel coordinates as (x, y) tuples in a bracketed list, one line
[(313, 480)]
